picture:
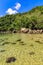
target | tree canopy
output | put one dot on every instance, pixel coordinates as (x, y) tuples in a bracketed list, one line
[(32, 20)]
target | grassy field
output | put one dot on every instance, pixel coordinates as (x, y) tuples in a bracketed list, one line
[(26, 48)]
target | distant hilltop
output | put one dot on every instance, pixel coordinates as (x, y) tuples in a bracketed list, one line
[(32, 19)]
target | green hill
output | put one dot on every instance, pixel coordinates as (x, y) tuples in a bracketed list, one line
[(32, 20)]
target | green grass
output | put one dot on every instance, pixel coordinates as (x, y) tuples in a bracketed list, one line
[(26, 48)]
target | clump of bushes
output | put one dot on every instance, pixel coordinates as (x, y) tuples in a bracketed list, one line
[(2, 50), (22, 44), (31, 45), (31, 53), (14, 43), (19, 40), (39, 42), (10, 59), (4, 43)]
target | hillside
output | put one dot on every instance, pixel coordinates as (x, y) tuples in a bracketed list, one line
[(32, 20)]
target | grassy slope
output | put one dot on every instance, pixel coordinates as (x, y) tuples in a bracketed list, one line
[(22, 52)]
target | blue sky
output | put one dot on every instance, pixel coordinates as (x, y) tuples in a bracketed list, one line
[(16, 6)]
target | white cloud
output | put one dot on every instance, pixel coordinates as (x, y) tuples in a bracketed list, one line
[(11, 11), (17, 6)]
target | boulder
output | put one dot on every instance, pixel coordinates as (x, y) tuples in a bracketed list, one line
[(34, 31), (24, 30), (30, 31)]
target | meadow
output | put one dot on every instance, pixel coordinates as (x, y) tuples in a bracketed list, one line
[(27, 49)]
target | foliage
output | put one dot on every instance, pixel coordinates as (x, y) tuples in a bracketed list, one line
[(32, 20)]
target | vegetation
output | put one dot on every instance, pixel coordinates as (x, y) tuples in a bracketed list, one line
[(32, 20), (28, 49)]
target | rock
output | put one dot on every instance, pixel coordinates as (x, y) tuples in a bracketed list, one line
[(24, 30), (41, 31), (30, 31), (34, 31)]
